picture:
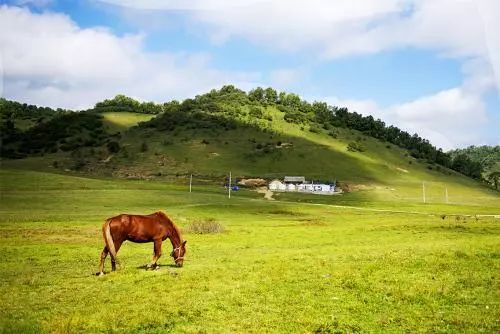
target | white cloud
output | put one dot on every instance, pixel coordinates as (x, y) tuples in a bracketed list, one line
[(342, 26), (449, 119), (285, 77), (331, 29), (49, 60)]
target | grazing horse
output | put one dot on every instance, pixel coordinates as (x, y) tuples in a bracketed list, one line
[(155, 228)]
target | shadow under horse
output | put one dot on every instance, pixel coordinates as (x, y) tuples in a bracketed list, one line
[(154, 228)]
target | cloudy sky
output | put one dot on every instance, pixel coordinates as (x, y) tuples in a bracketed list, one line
[(427, 66)]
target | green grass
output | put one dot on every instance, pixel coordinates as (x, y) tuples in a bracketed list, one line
[(117, 121), (280, 266)]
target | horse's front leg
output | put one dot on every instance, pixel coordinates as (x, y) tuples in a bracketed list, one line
[(157, 254)]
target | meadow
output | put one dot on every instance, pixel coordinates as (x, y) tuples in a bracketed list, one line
[(294, 265)]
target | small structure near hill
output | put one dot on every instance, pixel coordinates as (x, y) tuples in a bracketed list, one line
[(299, 184), (277, 185)]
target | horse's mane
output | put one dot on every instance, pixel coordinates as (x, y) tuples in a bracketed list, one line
[(168, 220)]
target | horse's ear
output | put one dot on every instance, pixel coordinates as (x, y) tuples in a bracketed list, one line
[(184, 242)]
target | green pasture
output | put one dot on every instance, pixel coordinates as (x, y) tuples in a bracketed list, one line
[(295, 265)]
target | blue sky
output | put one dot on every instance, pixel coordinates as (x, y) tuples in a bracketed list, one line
[(430, 67)]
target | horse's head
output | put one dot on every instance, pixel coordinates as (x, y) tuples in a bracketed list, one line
[(178, 253)]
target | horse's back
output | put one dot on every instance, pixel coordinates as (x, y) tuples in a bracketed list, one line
[(137, 228)]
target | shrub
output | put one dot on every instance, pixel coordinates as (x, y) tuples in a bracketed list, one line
[(113, 147), (332, 134), (209, 225), (314, 128), (79, 164), (255, 112), (355, 147)]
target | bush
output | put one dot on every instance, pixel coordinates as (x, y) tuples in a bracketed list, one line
[(79, 164), (314, 128), (256, 112), (209, 225), (355, 147), (332, 134), (113, 147)]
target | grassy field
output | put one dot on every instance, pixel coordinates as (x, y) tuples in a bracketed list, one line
[(298, 264)]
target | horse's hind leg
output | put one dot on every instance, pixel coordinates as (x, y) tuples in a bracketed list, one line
[(118, 244), (157, 254), (104, 253)]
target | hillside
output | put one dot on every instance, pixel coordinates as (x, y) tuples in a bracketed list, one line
[(252, 135)]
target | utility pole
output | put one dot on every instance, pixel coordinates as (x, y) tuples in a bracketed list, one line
[(423, 191), (229, 187), (190, 182)]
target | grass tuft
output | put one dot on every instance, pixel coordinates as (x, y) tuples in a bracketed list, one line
[(207, 226)]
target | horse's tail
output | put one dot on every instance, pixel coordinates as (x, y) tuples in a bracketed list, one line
[(108, 239)]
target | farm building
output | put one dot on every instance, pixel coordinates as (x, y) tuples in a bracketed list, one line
[(277, 185), (299, 184), (294, 179)]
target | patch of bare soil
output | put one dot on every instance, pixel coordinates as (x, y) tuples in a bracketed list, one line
[(268, 194), (253, 183), (108, 159), (350, 187)]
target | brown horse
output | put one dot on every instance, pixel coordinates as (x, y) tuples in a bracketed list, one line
[(155, 228)]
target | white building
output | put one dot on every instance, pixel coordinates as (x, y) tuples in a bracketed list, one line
[(277, 185), (298, 183), (294, 179)]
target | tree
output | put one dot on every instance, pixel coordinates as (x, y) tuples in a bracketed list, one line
[(493, 178), (271, 96), (256, 94)]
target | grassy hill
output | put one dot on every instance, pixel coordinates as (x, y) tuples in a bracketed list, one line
[(220, 132)]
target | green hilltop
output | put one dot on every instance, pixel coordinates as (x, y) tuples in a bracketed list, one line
[(262, 134)]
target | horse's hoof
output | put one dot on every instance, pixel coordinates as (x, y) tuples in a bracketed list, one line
[(157, 267), (99, 274)]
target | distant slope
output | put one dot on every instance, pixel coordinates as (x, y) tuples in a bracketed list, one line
[(253, 136)]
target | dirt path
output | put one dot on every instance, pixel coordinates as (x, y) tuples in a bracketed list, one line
[(268, 194)]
